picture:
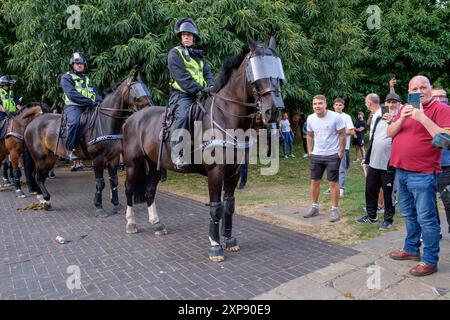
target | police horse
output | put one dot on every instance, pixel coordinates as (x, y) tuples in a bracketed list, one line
[(11, 141), (249, 83), (100, 139)]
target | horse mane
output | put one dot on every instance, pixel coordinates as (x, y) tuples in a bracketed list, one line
[(229, 65), (29, 105), (114, 86)]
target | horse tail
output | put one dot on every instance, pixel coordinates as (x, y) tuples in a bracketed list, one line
[(140, 186)]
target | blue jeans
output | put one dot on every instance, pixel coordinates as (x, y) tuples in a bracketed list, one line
[(417, 204), (343, 168), (287, 139), (244, 174)]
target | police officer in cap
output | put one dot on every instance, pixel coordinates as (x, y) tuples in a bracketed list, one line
[(79, 93), (190, 76), (9, 102)]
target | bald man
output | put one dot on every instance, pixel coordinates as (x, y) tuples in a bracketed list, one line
[(417, 165)]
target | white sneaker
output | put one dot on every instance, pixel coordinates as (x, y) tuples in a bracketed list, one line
[(341, 192), (328, 191), (305, 156)]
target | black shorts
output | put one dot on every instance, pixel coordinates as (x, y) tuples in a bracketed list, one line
[(320, 163), (359, 142)]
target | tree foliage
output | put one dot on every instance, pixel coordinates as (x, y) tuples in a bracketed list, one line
[(325, 45)]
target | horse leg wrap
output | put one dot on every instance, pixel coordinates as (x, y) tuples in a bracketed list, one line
[(17, 174), (114, 182), (5, 170), (227, 224), (216, 212), (98, 194)]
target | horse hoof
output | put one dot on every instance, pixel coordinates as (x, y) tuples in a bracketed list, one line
[(20, 194), (216, 254), (47, 206), (100, 213), (159, 229), (118, 209), (131, 228), (231, 245)]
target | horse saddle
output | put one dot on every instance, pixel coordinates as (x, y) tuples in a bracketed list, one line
[(196, 113), (86, 122)]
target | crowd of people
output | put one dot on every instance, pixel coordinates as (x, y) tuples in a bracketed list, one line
[(402, 166)]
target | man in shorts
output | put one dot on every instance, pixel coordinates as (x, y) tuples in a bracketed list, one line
[(326, 147)]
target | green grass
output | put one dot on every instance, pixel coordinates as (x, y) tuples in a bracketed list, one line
[(291, 187)]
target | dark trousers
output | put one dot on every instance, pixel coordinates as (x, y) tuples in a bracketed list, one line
[(375, 180), (444, 190), (180, 103), (305, 145), (244, 174), (73, 123)]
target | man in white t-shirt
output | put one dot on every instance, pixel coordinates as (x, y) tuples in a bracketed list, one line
[(326, 147), (339, 105)]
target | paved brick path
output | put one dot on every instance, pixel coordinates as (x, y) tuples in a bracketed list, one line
[(115, 265)]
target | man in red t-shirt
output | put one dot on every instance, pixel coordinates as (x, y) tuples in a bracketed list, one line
[(418, 164)]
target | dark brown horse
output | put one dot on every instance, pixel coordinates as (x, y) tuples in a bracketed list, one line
[(12, 142), (249, 83), (100, 140)]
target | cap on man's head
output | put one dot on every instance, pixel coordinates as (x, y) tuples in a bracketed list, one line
[(392, 96)]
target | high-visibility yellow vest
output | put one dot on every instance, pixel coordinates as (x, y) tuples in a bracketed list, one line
[(194, 68), (83, 86), (7, 100)]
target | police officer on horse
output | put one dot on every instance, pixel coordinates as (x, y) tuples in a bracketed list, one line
[(79, 93), (190, 77), (9, 102)]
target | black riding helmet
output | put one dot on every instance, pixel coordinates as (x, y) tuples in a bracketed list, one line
[(186, 25), (77, 58), (6, 80)]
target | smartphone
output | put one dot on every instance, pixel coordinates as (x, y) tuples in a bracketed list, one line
[(384, 109), (414, 99)]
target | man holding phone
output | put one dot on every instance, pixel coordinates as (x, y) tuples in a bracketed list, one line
[(377, 161), (417, 165)]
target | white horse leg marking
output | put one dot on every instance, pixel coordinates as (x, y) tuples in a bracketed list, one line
[(153, 214), (130, 215), (213, 243)]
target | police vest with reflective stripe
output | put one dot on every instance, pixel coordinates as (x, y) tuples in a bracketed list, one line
[(7, 100), (83, 86), (194, 68)]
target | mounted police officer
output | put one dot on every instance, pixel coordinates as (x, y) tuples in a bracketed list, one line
[(79, 93), (190, 77), (9, 105), (9, 102)]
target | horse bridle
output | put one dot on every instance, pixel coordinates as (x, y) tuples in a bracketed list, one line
[(256, 94), (131, 110)]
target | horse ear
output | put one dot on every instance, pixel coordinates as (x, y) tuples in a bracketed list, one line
[(272, 43), (136, 75), (252, 44)]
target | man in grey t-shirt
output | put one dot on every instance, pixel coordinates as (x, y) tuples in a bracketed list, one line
[(326, 146), (377, 159)]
